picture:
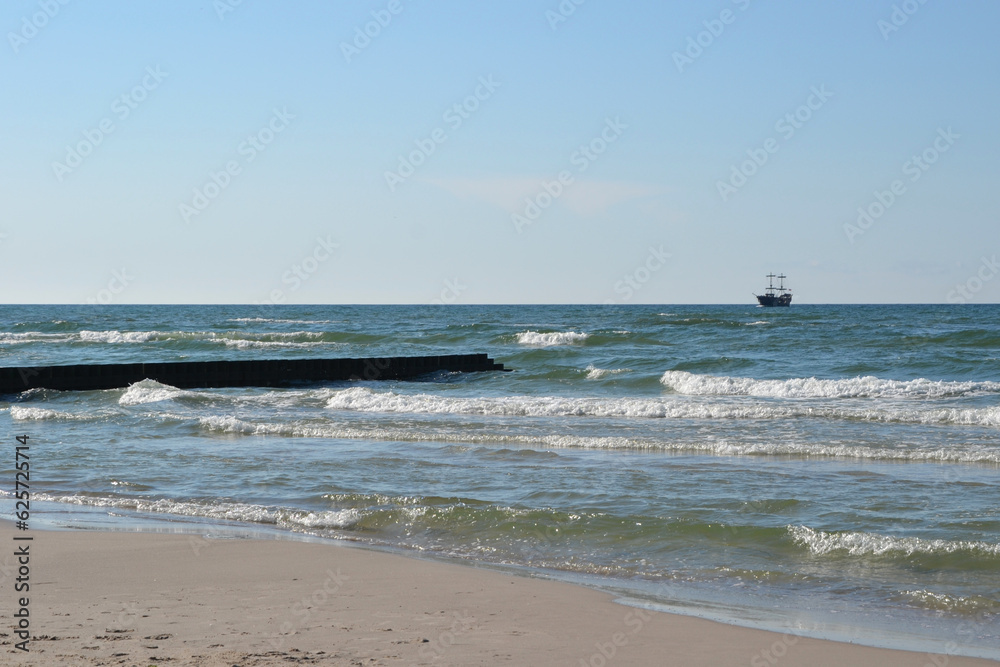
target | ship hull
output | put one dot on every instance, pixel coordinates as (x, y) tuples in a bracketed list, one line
[(771, 301)]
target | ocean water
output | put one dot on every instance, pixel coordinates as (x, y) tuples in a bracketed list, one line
[(824, 470)]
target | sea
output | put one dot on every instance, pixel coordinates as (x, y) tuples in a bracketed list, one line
[(830, 471)]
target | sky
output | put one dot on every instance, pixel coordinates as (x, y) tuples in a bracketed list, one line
[(525, 151)]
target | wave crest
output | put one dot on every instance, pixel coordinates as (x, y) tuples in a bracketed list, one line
[(594, 373), (242, 512), (873, 544), (27, 413), (684, 382), (119, 336), (551, 339), (149, 391)]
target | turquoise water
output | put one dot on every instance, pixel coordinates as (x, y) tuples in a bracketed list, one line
[(832, 470)]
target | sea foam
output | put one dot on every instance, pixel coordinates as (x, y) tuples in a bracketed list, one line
[(25, 413), (228, 511), (873, 544), (120, 336), (551, 339), (364, 399), (232, 424), (860, 387), (594, 373), (150, 391)]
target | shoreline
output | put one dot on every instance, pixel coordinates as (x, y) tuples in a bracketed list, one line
[(809, 622), (108, 598)]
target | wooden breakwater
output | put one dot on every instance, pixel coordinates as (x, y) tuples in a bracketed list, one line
[(256, 373)]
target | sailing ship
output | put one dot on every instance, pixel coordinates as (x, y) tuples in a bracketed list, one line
[(775, 296)]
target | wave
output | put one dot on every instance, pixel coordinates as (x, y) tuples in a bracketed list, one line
[(10, 338), (242, 344), (19, 413), (23, 413), (356, 507), (239, 339), (228, 511), (364, 399), (955, 603), (231, 424), (226, 337), (536, 339), (252, 320), (594, 373), (684, 382), (370, 400), (151, 391), (120, 337), (872, 544)]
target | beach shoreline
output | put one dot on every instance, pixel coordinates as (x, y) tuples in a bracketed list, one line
[(113, 598)]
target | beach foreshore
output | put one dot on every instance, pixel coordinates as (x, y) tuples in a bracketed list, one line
[(111, 598)]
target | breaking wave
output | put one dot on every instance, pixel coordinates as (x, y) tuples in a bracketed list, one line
[(9, 338), (594, 373), (873, 544), (239, 339), (150, 391), (121, 337), (227, 511), (683, 382), (24, 413), (956, 603), (364, 399), (536, 339), (232, 424)]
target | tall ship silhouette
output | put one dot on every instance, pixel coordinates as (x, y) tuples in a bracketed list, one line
[(775, 296)]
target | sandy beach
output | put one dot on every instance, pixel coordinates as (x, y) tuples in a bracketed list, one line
[(99, 598)]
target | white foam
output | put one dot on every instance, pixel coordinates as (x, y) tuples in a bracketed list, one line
[(119, 336), (275, 336), (150, 391), (26, 413), (594, 373), (21, 413), (10, 338), (278, 321), (364, 399), (246, 340), (283, 517), (239, 339), (873, 544), (947, 602), (859, 387), (232, 424), (968, 454), (242, 344), (536, 339)]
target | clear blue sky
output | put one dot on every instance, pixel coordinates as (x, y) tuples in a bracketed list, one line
[(653, 213)]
